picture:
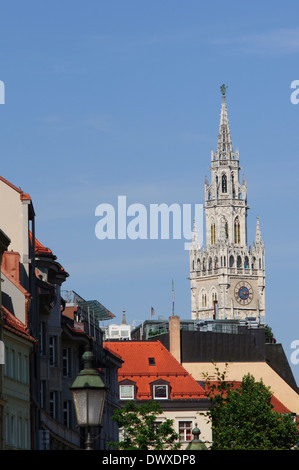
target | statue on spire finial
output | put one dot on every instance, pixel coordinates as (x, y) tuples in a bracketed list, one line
[(223, 89)]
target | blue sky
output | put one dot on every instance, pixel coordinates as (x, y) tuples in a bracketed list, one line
[(122, 98)]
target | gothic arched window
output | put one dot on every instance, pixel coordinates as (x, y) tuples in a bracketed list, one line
[(226, 229), (213, 233), (237, 231), (224, 183), (203, 299)]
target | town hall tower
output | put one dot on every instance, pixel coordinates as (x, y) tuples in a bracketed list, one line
[(227, 276)]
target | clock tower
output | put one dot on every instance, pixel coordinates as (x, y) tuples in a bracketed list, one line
[(227, 276)]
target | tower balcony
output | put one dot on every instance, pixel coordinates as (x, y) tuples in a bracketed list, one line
[(228, 271)]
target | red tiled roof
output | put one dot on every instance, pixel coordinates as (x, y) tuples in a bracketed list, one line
[(137, 368), (277, 405), (42, 250), (23, 196), (10, 322)]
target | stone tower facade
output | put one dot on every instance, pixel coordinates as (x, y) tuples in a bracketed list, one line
[(227, 276)]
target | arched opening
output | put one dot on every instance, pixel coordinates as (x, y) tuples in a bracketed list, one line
[(213, 233), (226, 229), (231, 261), (237, 231), (224, 183)]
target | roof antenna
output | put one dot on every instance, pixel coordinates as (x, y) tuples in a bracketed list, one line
[(172, 299)]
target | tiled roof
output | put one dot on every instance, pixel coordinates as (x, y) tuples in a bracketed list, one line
[(23, 196), (41, 250), (277, 405), (146, 361), (11, 323)]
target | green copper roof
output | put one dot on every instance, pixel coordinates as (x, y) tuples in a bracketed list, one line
[(196, 443), (89, 376)]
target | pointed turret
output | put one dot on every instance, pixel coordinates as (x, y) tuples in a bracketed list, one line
[(224, 147), (258, 234), (194, 244)]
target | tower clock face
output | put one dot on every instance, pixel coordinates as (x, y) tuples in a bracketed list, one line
[(243, 293)]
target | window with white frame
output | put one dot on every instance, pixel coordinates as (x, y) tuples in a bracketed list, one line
[(53, 404), (67, 413), (66, 362), (126, 392), (160, 391), (42, 337), (185, 431), (52, 350)]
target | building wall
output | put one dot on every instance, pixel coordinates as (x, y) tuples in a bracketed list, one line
[(13, 298), (16, 392), (260, 370), (195, 418), (15, 223)]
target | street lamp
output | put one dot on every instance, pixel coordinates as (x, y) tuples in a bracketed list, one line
[(89, 393)]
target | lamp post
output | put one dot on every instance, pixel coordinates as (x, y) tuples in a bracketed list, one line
[(89, 393)]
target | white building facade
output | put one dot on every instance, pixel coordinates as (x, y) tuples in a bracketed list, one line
[(227, 276)]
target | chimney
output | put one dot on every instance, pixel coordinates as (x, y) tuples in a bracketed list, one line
[(11, 264), (175, 337), (124, 318)]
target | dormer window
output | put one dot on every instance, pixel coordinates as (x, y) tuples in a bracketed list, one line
[(160, 389), (151, 361), (127, 390)]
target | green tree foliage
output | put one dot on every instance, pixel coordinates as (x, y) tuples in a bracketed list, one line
[(243, 418), (139, 431)]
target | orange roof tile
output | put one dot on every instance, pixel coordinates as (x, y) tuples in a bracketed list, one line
[(136, 367), (10, 322), (40, 249), (277, 404), (23, 196)]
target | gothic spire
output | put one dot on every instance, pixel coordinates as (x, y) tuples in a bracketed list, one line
[(224, 147), (194, 244), (258, 234)]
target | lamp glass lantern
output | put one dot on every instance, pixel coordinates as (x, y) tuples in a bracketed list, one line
[(89, 393)]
